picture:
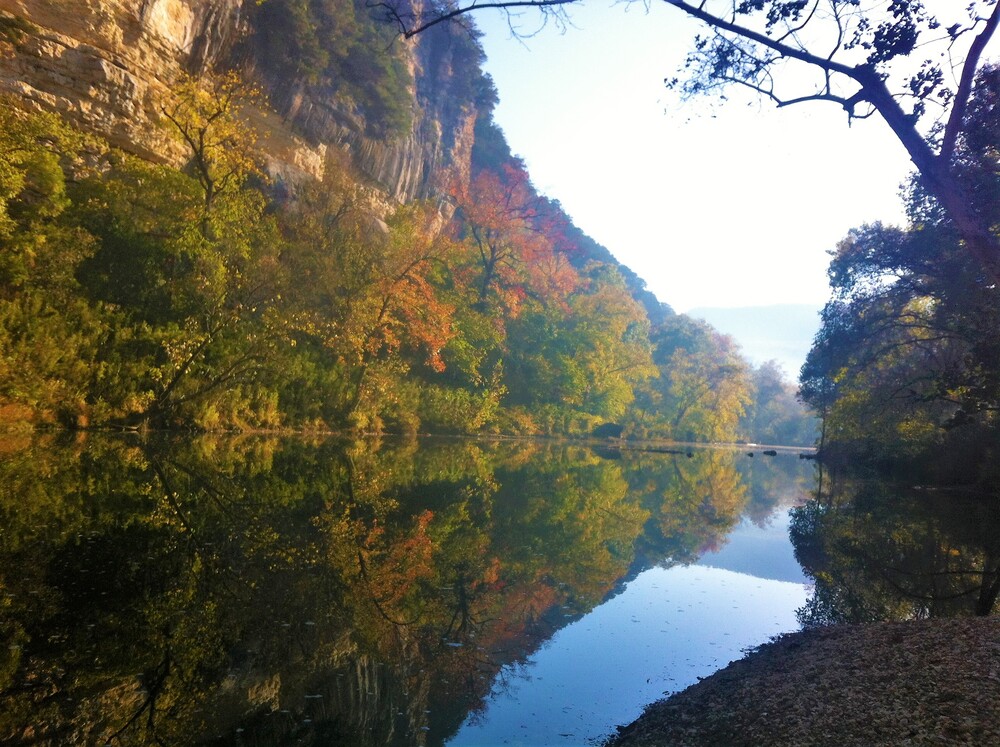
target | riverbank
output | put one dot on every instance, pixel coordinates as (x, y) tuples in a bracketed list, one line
[(923, 682)]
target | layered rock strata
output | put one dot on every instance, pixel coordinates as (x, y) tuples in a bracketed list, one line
[(109, 66)]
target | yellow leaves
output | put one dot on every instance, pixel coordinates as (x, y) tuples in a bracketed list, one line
[(917, 430), (204, 117)]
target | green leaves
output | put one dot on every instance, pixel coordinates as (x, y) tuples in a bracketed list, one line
[(905, 367), (703, 387), (336, 45), (139, 295)]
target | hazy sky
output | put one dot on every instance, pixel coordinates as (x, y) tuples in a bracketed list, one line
[(713, 204)]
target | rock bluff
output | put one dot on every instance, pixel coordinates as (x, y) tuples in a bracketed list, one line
[(109, 65)]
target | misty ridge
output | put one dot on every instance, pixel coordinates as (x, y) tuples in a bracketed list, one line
[(779, 332)]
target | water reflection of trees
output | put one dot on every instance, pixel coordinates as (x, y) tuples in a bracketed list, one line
[(319, 593), (695, 500), (878, 552)]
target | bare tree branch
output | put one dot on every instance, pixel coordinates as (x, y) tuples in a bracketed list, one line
[(409, 24)]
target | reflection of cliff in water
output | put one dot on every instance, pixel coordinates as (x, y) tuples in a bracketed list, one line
[(363, 594)]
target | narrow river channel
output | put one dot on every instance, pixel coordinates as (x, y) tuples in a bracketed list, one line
[(666, 629), (267, 591)]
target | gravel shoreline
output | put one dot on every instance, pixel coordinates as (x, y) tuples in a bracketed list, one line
[(910, 683)]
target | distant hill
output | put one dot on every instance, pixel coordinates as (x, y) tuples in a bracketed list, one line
[(782, 332)]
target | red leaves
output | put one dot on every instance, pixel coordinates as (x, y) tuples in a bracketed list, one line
[(520, 247)]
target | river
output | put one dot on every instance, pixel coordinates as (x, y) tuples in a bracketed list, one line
[(267, 590)]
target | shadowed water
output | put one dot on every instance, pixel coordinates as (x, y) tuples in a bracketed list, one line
[(268, 591)]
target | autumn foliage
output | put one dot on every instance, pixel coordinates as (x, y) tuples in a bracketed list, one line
[(138, 295)]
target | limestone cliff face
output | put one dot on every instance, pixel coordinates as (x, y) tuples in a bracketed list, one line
[(109, 66)]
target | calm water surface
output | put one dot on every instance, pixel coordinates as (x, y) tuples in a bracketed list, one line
[(266, 591)]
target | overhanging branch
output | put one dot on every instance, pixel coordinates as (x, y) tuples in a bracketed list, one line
[(409, 24), (764, 40), (957, 117)]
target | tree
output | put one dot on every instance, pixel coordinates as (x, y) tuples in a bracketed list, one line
[(704, 385), (220, 147), (860, 57), (863, 60), (194, 289), (365, 301), (49, 335), (582, 357), (775, 414), (907, 355), (498, 211)]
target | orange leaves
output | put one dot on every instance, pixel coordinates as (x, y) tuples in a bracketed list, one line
[(491, 576), (493, 200), (428, 320), (412, 311), (370, 291), (554, 278), (394, 571), (515, 240)]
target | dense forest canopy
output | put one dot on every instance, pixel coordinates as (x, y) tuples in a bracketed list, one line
[(906, 362), (138, 295)]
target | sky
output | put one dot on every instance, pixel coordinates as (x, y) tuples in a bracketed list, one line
[(721, 204)]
